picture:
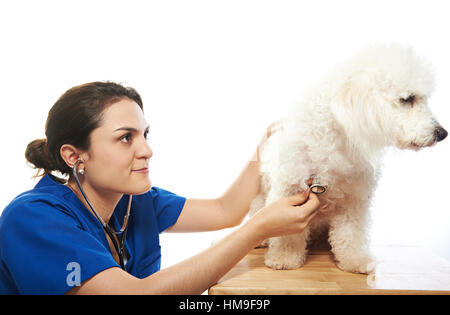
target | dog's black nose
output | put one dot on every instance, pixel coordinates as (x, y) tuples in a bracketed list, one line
[(440, 133)]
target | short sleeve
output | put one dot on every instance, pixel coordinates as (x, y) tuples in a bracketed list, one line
[(45, 249), (167, 206)]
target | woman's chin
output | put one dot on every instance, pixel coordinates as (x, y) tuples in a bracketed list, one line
[(139, 188)]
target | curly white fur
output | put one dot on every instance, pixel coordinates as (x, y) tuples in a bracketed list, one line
[(338, 132)]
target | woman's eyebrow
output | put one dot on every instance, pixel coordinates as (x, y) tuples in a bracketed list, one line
[(131, 129)]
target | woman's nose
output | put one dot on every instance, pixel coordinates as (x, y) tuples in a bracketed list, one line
[(144, 150)]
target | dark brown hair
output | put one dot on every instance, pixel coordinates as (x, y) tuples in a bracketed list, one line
[(71, 120)]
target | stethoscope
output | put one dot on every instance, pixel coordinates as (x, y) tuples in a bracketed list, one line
[(121, 235), (315, 187)]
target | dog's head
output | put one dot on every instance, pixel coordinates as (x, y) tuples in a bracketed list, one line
[(381, 99)]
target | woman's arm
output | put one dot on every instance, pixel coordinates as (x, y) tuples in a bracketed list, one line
[(199, 215), (235, 202), (229, 209), (192, 276), (197, 274)]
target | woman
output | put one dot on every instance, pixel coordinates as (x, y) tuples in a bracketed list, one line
[(98, 232)]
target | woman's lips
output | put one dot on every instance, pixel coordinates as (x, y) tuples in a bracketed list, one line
[(142, 170)]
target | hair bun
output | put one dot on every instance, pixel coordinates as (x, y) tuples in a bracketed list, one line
[(36, 154)]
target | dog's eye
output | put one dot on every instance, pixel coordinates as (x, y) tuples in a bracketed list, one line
[(409, 100)]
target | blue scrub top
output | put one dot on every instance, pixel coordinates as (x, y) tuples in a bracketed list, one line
[(49, 240)]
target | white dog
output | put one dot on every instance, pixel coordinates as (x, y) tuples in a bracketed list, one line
[(337, 134)]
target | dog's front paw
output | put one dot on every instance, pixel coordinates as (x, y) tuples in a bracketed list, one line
[(364, 265), (284, 260)]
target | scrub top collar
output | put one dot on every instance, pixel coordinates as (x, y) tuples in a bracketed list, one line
[(47, 180), (50, 180)]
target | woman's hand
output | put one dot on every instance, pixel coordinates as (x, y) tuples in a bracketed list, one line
[(274, 127), (289, 215)]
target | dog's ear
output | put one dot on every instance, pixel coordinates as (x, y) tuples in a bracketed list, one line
[(358, 108), (355, 93)]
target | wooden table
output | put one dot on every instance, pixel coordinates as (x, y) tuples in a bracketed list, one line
[(403, 268)]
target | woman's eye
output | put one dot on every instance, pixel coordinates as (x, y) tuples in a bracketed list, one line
[(126, 138)]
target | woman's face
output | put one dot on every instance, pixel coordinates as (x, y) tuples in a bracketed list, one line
[(117, 161)]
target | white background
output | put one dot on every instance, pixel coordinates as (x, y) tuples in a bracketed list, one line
[(213, 75)]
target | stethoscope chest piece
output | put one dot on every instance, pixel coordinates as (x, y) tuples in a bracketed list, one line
[(318, 189), (315, 187)]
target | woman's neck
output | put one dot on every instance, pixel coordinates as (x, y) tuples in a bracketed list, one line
[(102, 201)]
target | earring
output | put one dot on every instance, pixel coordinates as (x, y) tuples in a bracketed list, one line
[(81, 171)]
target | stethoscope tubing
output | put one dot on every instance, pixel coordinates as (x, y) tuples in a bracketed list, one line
[(123, 231)]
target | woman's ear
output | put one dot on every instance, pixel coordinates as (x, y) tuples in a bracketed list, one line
[(69, 154)]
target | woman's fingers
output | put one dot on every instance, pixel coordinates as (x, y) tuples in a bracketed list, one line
[(288, 215), (311, 205), (274, 127), (298, 198)]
